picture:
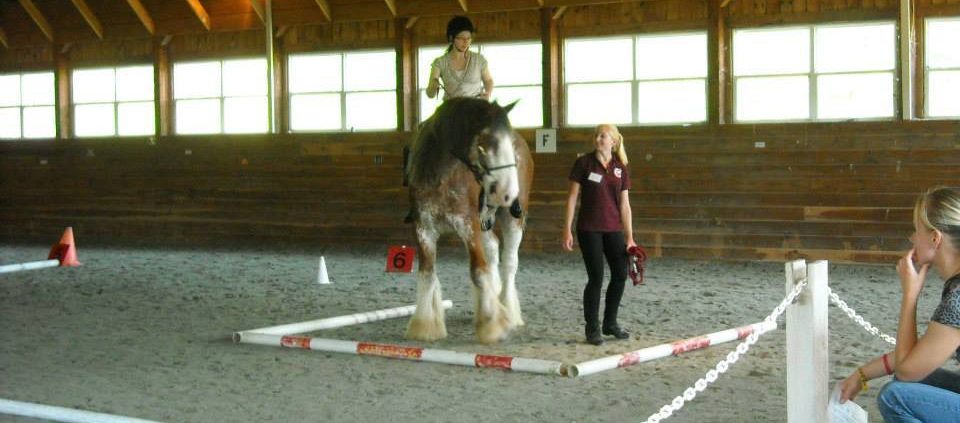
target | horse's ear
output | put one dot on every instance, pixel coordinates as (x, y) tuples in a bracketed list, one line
[(509, 107)]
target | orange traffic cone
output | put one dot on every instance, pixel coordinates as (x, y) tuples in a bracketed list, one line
[(65, 250)]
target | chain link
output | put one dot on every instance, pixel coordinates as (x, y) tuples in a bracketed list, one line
[(857, 318), (701, 384)]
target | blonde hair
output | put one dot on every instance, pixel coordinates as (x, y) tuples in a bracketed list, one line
[(618, 149), (939, 208)]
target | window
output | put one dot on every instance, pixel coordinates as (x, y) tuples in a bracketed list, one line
[(645, 79), (942, 67), (113, 101), (27, 106), (343, 91), (517, 71), (228, 96), (824, 72)]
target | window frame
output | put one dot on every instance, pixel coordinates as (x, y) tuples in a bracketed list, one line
[(221, 98), (812, 75), (927, 70), (342, 93), (478, 49), (20, 106), (116, 103), (635, 81)]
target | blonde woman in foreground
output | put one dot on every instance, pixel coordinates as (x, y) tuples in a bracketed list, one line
[(921, 391)]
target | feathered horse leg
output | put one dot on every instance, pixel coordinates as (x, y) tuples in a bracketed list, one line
[(427, 322)]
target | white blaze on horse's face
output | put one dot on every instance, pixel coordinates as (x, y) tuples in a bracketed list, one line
[(501, 182)]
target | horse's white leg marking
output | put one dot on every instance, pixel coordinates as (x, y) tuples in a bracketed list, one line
[(491, 249), (490, 317), (427, 322), (512, 231)]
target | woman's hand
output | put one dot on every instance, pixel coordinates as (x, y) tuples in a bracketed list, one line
[(631, 243), (567, 241), (850, 387), (911, 279)]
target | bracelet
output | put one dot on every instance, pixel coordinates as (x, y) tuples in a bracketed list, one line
[(886, 364), (863, 379)]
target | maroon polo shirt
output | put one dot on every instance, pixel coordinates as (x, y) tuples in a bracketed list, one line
[(599, 192)]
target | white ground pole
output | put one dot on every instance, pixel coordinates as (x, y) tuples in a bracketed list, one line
[(334, 322), (62, 414), (807, 354), (8, 268), (520, 364), (664, 350)]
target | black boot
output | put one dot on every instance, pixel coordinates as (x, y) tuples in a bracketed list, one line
[(616, 331), (610, 326), (593, 335)]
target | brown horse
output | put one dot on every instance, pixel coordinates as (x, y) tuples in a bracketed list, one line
[(468, 170)]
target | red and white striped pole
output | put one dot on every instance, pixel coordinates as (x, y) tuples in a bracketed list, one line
[(519, 364), (664, 350)]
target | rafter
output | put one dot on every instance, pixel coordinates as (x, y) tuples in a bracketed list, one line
[(38, 18), (463, 5), (724, 4), (258, 7), (143, 15), (392, 5), (3, 39), (90, 17), (412, 21), (200, 12), (559, 13), (325, 8), (282, 31)]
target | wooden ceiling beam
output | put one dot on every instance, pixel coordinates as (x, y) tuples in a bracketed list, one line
[(412, 21), (38, 18), (200, 12), (143, 15), (463, 5), (90, 17), (392, 5), (3, 39), (325, 8), (258, 8), (559, 13)]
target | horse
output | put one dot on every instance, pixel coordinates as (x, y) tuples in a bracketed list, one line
[(469, 170)]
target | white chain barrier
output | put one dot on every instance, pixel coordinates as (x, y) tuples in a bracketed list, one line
[(701, 384), (859, 319)]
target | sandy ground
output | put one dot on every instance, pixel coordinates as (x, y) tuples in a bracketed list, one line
[(146, 333)]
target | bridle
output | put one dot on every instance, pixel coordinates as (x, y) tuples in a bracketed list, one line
[(479, 169)]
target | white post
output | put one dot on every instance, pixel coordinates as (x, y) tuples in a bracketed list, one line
[(807, 354)]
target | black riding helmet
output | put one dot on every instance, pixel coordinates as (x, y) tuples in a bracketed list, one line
[(457, 25)]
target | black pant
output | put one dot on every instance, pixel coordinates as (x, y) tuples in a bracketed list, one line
[(595, 246)]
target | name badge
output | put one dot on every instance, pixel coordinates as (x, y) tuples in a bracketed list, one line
[(617, 172), (595, 177)]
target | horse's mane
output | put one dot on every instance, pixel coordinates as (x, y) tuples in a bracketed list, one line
[(448, 135)]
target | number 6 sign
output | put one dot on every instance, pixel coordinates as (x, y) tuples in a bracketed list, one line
[(400, 259)]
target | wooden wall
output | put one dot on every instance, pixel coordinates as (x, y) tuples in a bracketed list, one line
[(840, 191)]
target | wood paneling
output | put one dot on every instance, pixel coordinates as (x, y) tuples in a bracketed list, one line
[(821, 191)]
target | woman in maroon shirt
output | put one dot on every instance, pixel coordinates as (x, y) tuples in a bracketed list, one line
[(604, 227)]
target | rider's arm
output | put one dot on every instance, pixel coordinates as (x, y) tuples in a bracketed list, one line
[(433, 87)]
